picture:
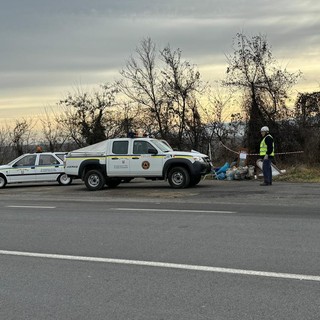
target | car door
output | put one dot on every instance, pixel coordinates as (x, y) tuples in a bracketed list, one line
[(118, 161), (49, 167), (24, 169), (145, 160)]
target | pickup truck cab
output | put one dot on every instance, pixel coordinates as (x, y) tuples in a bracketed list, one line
[(112, 161)]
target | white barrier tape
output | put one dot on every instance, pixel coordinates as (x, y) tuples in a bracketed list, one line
[(229, 148), (276, 153), (257, 154)]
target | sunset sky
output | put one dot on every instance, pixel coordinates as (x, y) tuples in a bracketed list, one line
[(48, 48)]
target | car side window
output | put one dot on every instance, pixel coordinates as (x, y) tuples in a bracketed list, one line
[(47, 160), (28, 160), (120, 147)]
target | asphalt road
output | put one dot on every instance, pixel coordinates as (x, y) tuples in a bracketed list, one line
[(222, 250)]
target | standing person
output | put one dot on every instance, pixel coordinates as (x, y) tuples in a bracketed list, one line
[(267, 154)]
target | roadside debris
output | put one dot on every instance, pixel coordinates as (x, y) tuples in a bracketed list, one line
[(234, 171)]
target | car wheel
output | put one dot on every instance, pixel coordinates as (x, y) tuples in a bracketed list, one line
[(94, 180), (64, 179), (3, 181), (179, 178)]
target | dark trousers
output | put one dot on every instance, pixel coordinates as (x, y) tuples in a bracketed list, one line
[(267, 171)]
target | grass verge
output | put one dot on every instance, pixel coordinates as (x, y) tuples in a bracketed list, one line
[(300, 173)]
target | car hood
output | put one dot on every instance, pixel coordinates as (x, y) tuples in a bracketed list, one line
[(4, 166)]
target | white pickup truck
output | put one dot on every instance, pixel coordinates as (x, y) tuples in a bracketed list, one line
[(115, 160)]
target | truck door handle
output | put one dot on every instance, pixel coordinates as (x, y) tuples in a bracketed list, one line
[(135, 157), (114, 158)]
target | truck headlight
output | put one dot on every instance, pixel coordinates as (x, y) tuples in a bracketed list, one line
[(200, 159)]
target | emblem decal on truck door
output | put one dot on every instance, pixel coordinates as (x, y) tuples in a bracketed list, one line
[(145, 165)]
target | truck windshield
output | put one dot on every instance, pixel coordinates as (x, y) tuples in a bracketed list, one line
[(163, 146)]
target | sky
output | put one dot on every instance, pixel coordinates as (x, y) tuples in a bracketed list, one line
[(49, 48)]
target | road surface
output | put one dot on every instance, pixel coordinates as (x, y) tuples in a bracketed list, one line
[(223, 250)]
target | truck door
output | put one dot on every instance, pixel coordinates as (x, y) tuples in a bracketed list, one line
[(118, 164), (144, 163)]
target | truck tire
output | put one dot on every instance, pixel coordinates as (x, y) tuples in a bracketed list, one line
[(94, 180), (195, 180), (179, 178)]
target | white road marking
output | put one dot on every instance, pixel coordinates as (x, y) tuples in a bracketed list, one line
[(172, 210), (165, 265), (32, 207)]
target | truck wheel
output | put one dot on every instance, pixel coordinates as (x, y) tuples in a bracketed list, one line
[(179, 178), (3, 181), (113, 182), (94, 180), (64, 179), (195, 180)]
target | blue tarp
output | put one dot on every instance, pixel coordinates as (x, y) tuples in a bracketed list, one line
[(221, 172)]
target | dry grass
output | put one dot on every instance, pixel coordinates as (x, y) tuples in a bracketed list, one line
[(300, 173)]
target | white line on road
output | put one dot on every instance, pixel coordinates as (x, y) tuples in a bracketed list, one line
[(32, 207), (172, 210), (165, 265)]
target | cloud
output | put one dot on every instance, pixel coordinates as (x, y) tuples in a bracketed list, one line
[(49, 45)]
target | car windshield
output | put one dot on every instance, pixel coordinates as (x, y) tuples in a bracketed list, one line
[(61, 155), (27, 160), (163, 146), (12, 162)]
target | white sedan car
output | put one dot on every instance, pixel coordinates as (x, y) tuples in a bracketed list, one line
[(35, 167)]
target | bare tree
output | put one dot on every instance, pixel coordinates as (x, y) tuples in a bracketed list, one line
[(254, 72), (128, 117), (69, 121), (21, 134), (307, 116), (5, 154), (53, 132), (86, 115), (164, 89), (180, 84), (223, 124), (307, 109), (141, 83)]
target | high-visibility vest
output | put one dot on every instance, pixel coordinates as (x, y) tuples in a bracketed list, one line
[(263, 147)]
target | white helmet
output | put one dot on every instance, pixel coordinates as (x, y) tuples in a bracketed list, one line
[(265, 129)]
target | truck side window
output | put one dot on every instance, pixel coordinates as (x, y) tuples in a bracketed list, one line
[(120, 147), (141, 147), (138, 147)]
